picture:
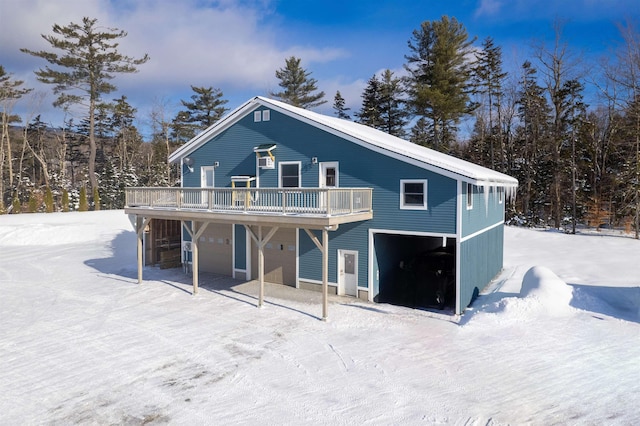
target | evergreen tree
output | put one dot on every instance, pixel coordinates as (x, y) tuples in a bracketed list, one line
[(339, 108), (16, 206), (33, 203), (10, 92), (535, 167), (299, 87), (488, 79), (96, 199), (206, 108), (65, 200), (370, 114), (392, 112), (84, 70), (438, 81), (48, 200), (83, 205)]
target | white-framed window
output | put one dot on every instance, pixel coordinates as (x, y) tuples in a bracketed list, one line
[(289, 172), (413, 194), (257, 116), (469, 196), (266, 115)]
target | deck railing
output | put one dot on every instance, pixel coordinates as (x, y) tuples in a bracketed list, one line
[(306, 201)]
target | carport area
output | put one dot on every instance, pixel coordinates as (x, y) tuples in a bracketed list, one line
[(416, 271)]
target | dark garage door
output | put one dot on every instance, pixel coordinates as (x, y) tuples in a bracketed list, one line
[(416, 271)]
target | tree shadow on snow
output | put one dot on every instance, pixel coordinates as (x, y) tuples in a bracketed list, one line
[(616, 302)]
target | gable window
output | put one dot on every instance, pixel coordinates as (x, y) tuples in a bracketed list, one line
[(413, 194), (266, 115), (289, 174), (257, 116), (469, 196)]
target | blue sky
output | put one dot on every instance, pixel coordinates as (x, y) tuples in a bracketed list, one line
[(237, 45)]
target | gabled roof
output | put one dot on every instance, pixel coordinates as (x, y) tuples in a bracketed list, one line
[(365, 136)]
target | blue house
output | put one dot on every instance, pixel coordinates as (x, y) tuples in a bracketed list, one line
[(286, 195)]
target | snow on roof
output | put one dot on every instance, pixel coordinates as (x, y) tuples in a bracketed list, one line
[(363, 135)]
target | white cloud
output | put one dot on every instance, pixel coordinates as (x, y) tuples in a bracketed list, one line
[(488, 8), (225, 44)]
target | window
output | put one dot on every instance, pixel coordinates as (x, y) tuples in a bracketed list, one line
[(257, 116), (413, 194), (266, 115), (469, 196), (289, 175)]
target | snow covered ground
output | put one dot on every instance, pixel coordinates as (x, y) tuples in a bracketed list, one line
[(81, 342)]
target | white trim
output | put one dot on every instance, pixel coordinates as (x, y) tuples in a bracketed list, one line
[(233, 250), (459, 201), (247, 263), (322, 170), (376, 141), (424, 205), (297, 257), (319, 282), (482, 231), (285, 163), (469, 196), (373, 231), (416, 233), (203, 171)]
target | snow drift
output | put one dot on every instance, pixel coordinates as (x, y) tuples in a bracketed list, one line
[(542, 286)]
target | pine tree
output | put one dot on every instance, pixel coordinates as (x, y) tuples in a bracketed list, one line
[(65, 200), (84, 70), (16, 206), (298, 86), (439, 78), (10, 92), (339, 108), (206, 108), (83, 205), (488, 79), (96, 199), (370, 114), (392, 111), (33, 203), (48, 200)]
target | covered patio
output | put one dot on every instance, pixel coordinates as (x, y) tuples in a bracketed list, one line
[(262, 211)]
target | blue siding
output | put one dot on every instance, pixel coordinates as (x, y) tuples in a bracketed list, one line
[(480, 261), (485, 211), (358, 167)]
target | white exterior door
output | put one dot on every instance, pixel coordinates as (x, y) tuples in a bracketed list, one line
[(328, 179), (348, 272), (207, 179)]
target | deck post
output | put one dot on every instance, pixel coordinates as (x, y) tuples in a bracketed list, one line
[(139, 226), (325, 273), (260, 267), (141, 223)]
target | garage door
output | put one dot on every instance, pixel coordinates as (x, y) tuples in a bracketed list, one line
[(279, 257), (415, 271), (215, 249)]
